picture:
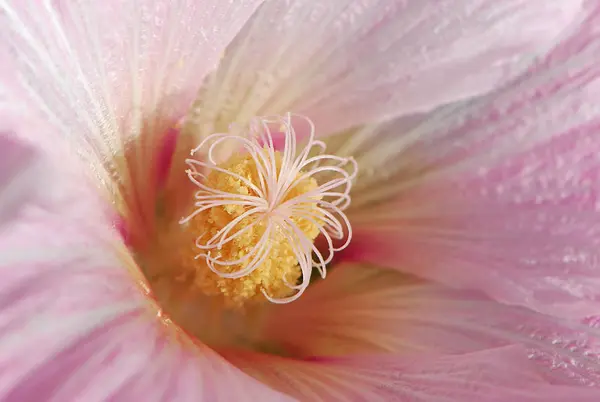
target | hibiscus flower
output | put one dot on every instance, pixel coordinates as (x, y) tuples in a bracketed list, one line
[(299, 200)]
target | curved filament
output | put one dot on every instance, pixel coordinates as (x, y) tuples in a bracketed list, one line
[(292, 187)]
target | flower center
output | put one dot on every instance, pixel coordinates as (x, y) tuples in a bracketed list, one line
[(261, 202)]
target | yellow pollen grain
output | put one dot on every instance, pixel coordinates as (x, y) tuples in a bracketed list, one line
[(281, 263)]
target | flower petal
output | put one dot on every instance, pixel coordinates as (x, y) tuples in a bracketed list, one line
[(119, 355), (499, 195), (111, 79), (494, 375), (92, 69), (106, 355), (21, 172), (361, 309), (345, 62), (76, 323)]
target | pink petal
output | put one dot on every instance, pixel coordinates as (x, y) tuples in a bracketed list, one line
[(76, 324), (112, 353), (362, 309), (500, 195), (110, 78), (493, 375), (94, 70), (21, 173), (346, 62)]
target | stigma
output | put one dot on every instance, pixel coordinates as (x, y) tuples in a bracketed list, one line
[(264, 195)]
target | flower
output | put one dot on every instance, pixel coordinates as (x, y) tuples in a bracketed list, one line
[(463, 132)]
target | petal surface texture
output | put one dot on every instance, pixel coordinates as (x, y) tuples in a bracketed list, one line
[(492, 376), (499, 194), (360, 310), (92, 69), (76, 323), (21, 171), (344, 62)]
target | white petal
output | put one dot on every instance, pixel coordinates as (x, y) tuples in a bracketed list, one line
[(346, 62), (91, 69)]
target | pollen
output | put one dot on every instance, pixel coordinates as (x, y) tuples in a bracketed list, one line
[(259, 209)]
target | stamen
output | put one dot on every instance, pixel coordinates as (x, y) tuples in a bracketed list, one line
[(258, 213)]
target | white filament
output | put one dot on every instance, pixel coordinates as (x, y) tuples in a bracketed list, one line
[(323, 207)]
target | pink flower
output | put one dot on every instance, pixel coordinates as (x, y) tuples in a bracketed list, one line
[(471, 269)]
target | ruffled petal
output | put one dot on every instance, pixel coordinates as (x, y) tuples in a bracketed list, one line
[(496, 375), (76, 322), (500, 194), (345, 62), (360, 309)]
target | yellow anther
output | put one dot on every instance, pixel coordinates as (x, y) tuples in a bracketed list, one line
[(279, 264), (258, 213)]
